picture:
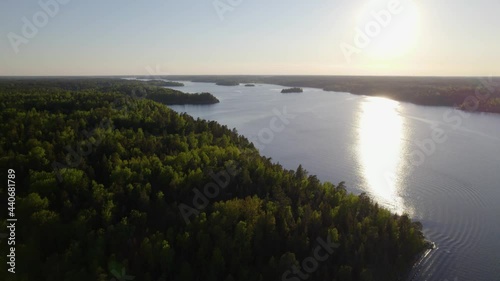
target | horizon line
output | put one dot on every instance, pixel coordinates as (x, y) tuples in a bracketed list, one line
[(235, 75)]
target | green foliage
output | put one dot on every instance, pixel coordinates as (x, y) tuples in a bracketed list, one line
[(101, 177)]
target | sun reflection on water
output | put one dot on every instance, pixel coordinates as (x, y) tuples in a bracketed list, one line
[(380, 150)]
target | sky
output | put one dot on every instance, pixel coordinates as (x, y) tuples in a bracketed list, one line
[(261, 37)]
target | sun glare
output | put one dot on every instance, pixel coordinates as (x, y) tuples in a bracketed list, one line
[(394, 25), (380, 145)]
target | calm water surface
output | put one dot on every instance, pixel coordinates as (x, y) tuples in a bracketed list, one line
[(439, 165)]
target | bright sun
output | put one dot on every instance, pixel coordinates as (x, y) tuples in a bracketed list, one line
[(399, 26)]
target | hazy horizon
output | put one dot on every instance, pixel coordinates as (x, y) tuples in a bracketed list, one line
[(241, 75), (238, 37)]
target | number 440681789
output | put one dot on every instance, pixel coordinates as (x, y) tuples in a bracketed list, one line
[(11, 191)]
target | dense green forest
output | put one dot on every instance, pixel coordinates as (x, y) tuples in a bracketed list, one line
[(479, 94), (152, 89), (109, 182)]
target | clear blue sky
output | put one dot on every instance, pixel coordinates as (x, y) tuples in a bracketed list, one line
[(116, 37)]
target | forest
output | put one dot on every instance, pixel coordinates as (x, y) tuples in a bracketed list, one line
[(111, 181), (151, 89)]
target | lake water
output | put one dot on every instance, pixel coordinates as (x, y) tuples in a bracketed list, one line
[(437, 164)]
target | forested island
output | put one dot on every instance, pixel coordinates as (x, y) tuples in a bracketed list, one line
[(292, 90), (249, 85), (227, 83), (110, 181), (478, 94)]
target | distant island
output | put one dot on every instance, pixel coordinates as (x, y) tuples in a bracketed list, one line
[(227, 83), (292, 90), (249, 85)]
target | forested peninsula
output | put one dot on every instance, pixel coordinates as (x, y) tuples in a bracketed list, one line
[(166, 83), (110, 181), (151, 89)]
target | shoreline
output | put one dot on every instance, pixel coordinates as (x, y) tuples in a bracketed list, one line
[(419, 259), (470, 94)]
